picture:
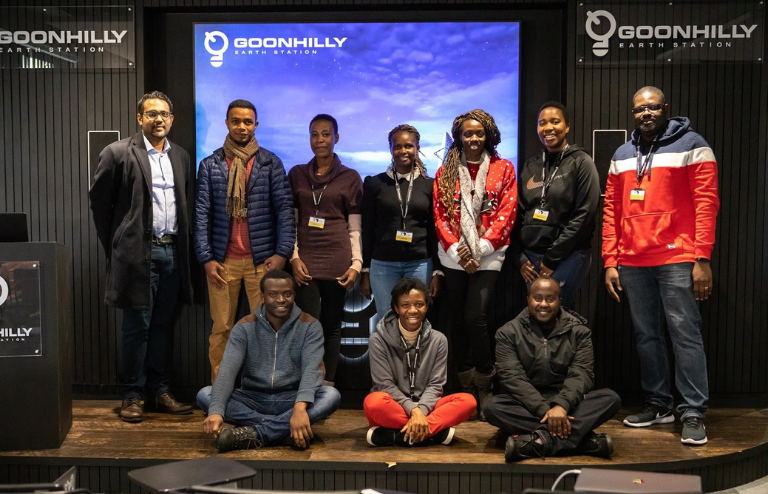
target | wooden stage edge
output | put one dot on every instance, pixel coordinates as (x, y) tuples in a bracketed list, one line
[(105, 449)]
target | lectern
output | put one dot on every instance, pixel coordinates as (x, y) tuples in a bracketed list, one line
[(35, 344)]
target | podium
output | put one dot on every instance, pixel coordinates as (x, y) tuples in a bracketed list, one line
[(35, 344)]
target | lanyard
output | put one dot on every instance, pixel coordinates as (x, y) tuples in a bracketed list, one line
[(546, 183), (317, 200), (643, 166), (404, 208), (412, 366)]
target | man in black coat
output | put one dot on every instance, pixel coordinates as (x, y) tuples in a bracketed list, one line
[(139, 204), (546, 370)]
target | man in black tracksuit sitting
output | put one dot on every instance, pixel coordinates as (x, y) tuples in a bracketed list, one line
[(546, 369)]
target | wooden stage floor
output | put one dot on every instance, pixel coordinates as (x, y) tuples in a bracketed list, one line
[(737, 449)]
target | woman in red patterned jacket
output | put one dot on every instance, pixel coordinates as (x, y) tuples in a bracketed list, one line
[(475, 202)]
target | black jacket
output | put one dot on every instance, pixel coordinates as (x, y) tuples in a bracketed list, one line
[(572, 202), (382, 219), (121, 202), (542, 372)]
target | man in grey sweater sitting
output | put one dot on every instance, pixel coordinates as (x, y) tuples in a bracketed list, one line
[(280, 350)]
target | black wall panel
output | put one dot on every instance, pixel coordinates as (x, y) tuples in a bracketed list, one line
[(46, 115)]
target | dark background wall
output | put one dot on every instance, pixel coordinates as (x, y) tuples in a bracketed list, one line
[(46, 115)]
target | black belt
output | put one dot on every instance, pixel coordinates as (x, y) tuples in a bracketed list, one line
[(164, 240)]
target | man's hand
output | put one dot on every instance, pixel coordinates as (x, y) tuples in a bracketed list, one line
[(417, 428), (435, 286), (301, 432), (702, 280), (545, 271), (558, 422), (212, 424), (365, 285), (529, 274), (300, 272), (274, 262), (347, 280), (215, 273), (611, 278)]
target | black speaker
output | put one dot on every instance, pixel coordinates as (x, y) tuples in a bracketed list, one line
[(98, 140), (604, 144)]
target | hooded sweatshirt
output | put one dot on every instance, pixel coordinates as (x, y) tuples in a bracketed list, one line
[(272, 361), (675, 221), (541, 372), (389, 370), (571, 201)]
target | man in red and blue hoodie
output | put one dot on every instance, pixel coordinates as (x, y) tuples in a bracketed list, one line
[(661, 206)]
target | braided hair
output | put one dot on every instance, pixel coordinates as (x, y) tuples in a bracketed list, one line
[(412, 130), (450, 173)]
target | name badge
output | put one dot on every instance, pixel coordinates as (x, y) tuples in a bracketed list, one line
[(637, 195), (403, 236), (540, 214), (316, 222)]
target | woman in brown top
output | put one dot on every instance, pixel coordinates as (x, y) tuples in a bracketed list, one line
[(327, 257)]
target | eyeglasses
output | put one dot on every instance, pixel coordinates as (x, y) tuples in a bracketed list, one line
[(152, 114), (651, 107)]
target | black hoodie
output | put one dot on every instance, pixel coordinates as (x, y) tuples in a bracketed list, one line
[(572, 202)]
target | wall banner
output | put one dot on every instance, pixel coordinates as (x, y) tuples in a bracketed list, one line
[(67, 37), (639, 33)]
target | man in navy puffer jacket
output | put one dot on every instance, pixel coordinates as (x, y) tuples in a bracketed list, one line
[(243, 222)]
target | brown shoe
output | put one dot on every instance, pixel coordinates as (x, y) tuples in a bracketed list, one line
[(131, 411), (166, 403)]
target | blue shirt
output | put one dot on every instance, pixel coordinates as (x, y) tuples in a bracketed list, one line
[(163, 198)]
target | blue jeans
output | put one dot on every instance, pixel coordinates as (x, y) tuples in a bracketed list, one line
[(386, 274), (270, 413), (659, 292), (146, 331), (571, 273)]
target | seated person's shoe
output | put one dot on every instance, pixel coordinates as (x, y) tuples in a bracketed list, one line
[(238, 438), (599, 445), (381, 436), (694, 432), (537, 444), (649, 415), (166, 403), (445, 436), (131, 411)]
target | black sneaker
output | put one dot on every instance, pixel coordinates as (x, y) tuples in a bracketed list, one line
[(381, 436), (599, 445), (694, 432), (238, 438), (445, 436), (537, 444), (649, 415)]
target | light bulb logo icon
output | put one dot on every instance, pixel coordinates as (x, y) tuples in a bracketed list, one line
[(218, 55), (600, 47)]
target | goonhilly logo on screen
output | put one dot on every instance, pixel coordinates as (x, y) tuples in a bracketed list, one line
[(218, 54)]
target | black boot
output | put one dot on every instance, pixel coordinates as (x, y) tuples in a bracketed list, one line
[(467, 382)]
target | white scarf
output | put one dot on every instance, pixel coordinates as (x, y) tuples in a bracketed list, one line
[(471, 204)]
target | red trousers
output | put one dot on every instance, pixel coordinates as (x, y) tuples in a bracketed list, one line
[(380, 409)]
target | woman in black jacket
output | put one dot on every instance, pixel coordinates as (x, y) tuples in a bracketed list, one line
[(558, 195)]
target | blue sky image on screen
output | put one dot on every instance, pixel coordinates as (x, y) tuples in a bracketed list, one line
[(369, 76)]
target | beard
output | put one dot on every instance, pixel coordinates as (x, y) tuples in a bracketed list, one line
[(652, 127)]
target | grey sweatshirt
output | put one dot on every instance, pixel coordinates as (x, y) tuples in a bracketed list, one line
[(272, 361), (390, 372)]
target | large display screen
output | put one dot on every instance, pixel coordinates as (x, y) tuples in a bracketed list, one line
[(369, 76)]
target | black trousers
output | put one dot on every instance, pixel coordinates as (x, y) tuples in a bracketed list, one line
[(324, 300), (596, 408), (468, 296)]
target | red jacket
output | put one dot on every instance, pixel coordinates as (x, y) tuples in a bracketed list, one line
[(501, 189), (675, 222)]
